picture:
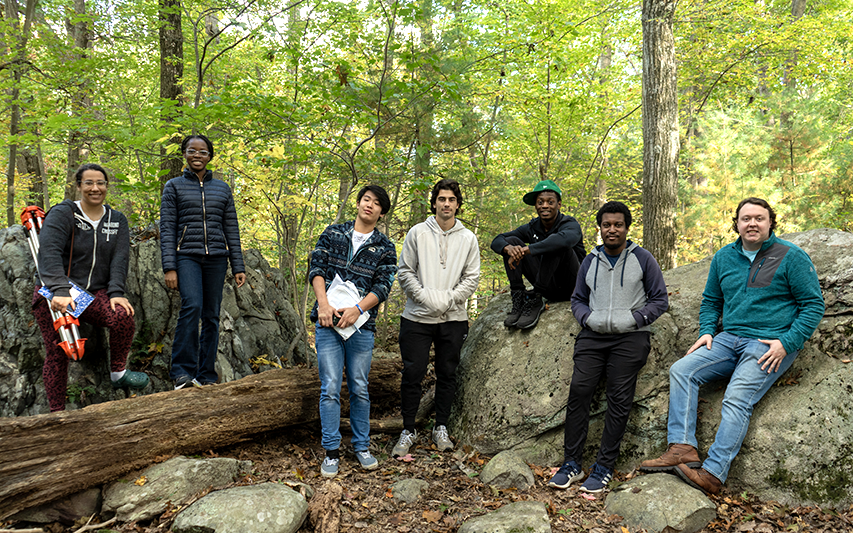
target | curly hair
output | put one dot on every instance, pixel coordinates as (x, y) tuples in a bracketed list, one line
[(449, 185)]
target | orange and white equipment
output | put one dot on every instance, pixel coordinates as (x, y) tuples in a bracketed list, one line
[(65, 325)]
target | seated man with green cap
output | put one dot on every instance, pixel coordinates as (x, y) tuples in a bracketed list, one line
[(547, 251)]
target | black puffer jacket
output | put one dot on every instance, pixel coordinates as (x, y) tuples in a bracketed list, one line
[(199, 218), (100, 257)]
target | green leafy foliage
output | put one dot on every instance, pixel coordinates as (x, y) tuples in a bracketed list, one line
[(306, 104)]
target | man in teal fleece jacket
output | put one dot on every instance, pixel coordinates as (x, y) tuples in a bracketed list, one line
[(767, 292)]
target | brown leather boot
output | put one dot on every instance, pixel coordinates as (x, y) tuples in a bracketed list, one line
[(699, 478), (675, 455)]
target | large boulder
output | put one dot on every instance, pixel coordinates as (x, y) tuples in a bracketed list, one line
[(258, 326), (513, 387)]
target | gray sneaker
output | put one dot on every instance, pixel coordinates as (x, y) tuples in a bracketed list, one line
[(407, 439), (329, 468), (367, 461), (441, 439)]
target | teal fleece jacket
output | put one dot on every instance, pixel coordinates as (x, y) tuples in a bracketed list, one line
[(777, 296)]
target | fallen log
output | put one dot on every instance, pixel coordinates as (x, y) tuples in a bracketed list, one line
[(46, 457)]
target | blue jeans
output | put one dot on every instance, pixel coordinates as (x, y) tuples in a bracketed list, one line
[(334, 354), (729, 355), (200, 280)]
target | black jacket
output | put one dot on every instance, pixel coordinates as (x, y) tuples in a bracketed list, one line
[(100, 257), (199, 218), (565, 234)]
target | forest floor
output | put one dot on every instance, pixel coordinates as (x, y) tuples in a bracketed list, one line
[(455, 494)]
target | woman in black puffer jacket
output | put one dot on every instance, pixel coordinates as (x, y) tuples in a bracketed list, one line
[(198, 235)]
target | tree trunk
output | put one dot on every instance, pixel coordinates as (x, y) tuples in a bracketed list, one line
[(19, 56), (46, 457), (660, 131), (78, 33), (31, 166), (171, 73)]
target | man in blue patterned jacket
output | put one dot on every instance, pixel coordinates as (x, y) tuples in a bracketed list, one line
[(355, 251)]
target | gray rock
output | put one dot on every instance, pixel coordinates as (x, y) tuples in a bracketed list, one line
[(513, 387), (256, 320), (408, 490), (527, 517), (658, 501), (506, 470), (173, 481), (66, 510), (264, 508)]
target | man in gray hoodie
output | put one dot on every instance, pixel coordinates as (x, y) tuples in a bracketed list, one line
[(439, 268), (619, 292)]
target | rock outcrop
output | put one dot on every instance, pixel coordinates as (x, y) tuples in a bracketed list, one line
[(513, 387), (257, 326)]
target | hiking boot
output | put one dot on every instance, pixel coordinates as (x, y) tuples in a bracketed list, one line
[(183, 381), (517, 306), (533, 307), (329, 467), (699, 478), (367, 461), (132, 380), (441, 439), (598, 479), (675, 455), (407, 439), (566, 475)]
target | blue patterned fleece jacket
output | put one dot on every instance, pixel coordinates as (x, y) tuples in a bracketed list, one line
[(371, 268)]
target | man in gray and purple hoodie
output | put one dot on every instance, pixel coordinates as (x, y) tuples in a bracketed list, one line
[(619, 292)]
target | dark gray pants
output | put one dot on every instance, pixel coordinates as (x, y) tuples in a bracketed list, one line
[(415, 341), (620, 358)]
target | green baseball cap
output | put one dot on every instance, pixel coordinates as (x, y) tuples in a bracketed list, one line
[(544, 185)]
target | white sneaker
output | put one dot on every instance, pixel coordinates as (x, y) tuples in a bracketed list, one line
[(407, 439), (329, 468), (441, 439), (366, 460)]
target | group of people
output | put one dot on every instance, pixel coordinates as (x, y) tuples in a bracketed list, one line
[(762, 301), (88, 243)]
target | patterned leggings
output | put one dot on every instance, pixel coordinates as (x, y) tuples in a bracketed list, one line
[(55, 370)]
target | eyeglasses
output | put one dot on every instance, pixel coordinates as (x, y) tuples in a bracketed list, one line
[(90, 183), (203, 153)]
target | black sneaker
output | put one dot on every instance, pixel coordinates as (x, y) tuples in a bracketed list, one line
[(533, 307), (183, 381), (517, 306)]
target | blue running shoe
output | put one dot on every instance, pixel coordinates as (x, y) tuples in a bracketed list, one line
[(566, 475), (598, 479)]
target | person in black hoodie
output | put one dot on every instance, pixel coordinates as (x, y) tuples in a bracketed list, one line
[(100, 238), (547, 251), (198, 235)]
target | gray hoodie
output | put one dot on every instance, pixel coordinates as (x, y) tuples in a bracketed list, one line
[(622, 298), (438, 270)]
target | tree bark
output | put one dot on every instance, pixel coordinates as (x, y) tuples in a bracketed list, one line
[(171, 73), (78, 33), (46, 457), (660, 131), (19, 56)]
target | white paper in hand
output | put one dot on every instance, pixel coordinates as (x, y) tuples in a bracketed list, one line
[(345, 294)]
